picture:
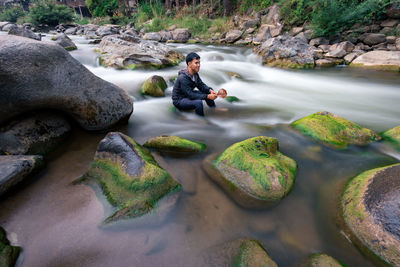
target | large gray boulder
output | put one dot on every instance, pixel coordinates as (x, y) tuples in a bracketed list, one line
[(287, 52), (8, 27), (152, 36), (53, 79), (373, 38), (19, 31), (181, 35), (380, 60), (233, 35), (130, 52), (36, 134), (14, 169), (108, 30)]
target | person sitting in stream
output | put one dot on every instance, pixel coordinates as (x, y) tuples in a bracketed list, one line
[(184, 95)]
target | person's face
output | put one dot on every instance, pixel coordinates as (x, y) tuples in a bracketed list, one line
[(194, 65)]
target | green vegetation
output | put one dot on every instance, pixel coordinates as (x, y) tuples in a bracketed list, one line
[(174, 144), (102, 8), (12, 14), (8, 254), (334, 130), (256, 5), (393, 136), (48, 12)]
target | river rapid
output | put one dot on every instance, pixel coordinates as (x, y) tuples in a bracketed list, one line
[(59, 224)]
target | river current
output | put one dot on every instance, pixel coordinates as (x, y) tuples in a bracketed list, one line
[(59, 224)]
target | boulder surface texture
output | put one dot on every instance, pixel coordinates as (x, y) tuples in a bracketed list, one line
[(334, 131), (154, 86), (14, 169), (380, 60), (174, 144), (130, 177), (39, 75), (131, 52), (370, 206), (254, 172), (322, 260)]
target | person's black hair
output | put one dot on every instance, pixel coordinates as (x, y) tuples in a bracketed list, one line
[(191, 56)]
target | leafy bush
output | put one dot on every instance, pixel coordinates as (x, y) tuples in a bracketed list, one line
[(295, 12), (256, 5), (48, 12), (12, 14), (149, 11), (102, 8)]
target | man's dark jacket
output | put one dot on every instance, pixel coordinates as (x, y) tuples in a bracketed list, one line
[(185, 84)]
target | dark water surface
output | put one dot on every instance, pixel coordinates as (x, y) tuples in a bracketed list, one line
[(59, 224)]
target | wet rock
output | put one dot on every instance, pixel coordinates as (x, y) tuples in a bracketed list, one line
[(380, 60), (130, 177), (14, 169), (9, 26), (321, 260), (240, 252), (287, 52), (154, 86), (334, 131), (167, 143), (326, 62), (63, 40), (263, 34), (130, 52), (53, 79), (393, 136), (108, 29), (35, 135), (373, 38), (233, 36), (181, 35), (370, 210), (24, 33), (152, 36), (8, 254), (253, 172)]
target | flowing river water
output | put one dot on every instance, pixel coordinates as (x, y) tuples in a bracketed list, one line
[(59, 224)]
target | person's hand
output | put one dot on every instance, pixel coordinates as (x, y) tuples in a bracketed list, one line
[(212, 91), (222, 93), (212, 96)]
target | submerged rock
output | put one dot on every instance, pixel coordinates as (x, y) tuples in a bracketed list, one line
[(63, 40), (253, 172), (14, 169), (174, 144), (154, 86), (130, 177), (286, 52), (53, 79), (321, 260), (393, 136), (37, 134), (130, 52), (8, 254), (379, 60), (334, 131), (240, 252), (370, 206)]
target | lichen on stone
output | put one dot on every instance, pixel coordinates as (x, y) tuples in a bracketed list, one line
[(174, 144), (252, 254), (393, 136), (334, 130), (322, 260), (154, 86)]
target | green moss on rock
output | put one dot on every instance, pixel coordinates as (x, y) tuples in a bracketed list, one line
[(8, 254), (252, 254), (255, 172), (393, 136), (334, 130), (133, 195), (231, 99), (154, 86), (323, 260), (174, 144)]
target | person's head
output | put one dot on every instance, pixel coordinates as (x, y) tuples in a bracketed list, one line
[(193, 62)]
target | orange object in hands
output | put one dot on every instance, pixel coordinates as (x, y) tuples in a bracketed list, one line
[(222, 93)]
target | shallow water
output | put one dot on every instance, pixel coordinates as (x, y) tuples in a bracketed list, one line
[(59, 224)]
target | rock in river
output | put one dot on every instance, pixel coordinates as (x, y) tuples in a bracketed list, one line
[(393, 136), (63, 40), (321, 260), (167, 143), (370, 205), (130, 177), (8, 254), (129, 52), (334, 131), (14, 169), (40, 75), (154, 86), (253, 172), (379, 60)]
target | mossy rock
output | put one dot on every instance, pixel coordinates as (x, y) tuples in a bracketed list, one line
[(8, 254), (154, 86), (393, 136), (370, 211), (231, 99), (167, 143), (321, 260), (288, 64), (129, 176), (253, 172), (241, 252), (334, 131)]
